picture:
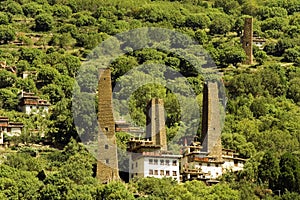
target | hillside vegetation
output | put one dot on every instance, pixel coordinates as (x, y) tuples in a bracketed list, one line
[(54, 37)]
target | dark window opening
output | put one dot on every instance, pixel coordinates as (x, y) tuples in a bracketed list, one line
[(107, 161), (106, 129), (106, 146)]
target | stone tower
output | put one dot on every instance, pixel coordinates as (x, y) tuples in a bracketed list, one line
[(107, 166), (155, 123), (247, 40), (211, 121)]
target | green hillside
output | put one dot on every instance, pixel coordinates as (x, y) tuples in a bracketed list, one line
[(51, 39)]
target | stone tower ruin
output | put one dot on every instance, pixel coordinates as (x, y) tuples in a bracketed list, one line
[(155, 123), (247, 40), (107, 165), (211, 121)]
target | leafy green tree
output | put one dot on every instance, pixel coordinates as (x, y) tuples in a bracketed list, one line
[(7, 79), (220, 24), (14, 8), (7, 34), (197, 21), (116, 190), (229, 7), (201, 36), (289, 173), (47, 75), (291, 54), (267, 174), (231, 55), (54, 93), (62, 11), (32, 9), (9, 99), (260, 57), (43, 22), (30, 55), (294, 89), (4, 18)]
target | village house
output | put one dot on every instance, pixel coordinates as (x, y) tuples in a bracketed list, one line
[(29, 103), (9, 129)]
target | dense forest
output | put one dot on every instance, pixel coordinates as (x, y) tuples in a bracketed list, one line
[(53, 38)]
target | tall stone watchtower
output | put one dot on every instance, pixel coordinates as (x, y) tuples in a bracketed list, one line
[(211, 121), (247, 40), (107, 166), (155, 123)]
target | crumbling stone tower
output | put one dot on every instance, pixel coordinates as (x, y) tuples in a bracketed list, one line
[(211, 121), (107, 166), (155, 123), (247, 40)]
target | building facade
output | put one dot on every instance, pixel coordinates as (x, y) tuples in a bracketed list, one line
[(29, 103), (155, 164), (9, 129)]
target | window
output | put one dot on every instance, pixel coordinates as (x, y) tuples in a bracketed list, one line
[(167, 162), (155, 172), (155, 162), (208, 165), (162, 162), (162, 172), (174, 163), (217, 165), (150, 161), (174, 173), (132, 166), (106, 128), (136, 164), (131, 175), (150, 171), (107, 161), (106, 146), (167, 173)]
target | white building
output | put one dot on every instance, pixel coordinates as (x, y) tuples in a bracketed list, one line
[(198, 165), (28, 103), (259, 42), (154, 164), (9, 129)]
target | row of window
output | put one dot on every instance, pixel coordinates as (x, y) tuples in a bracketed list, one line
[(162, 162), (162, 172)]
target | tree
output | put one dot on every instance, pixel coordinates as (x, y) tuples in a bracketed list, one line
[(54, 93), (294, 89), (220, 24), (7, 79), (267, 174), (43, 22), (32, 9), (231, 55), (116, 190), (289, 178), (229, 7), (7, 33), (62, 11), (260, 56), (4, 18), (201, 36), (8, 99), (14, 8), (291, 54), (47, 75), (197, 21)]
